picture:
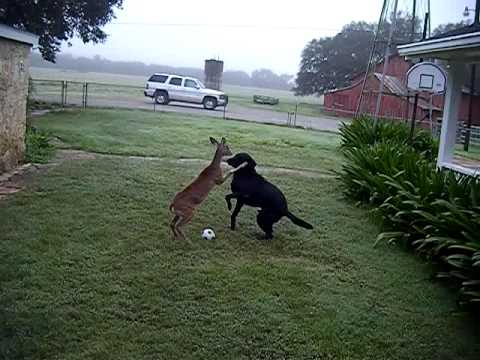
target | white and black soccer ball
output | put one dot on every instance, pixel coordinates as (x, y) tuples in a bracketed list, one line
[(208, 234)]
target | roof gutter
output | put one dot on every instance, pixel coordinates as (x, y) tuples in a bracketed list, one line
[(10, 33)]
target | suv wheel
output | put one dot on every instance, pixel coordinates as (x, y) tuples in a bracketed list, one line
[(161, 97), (210, 103)]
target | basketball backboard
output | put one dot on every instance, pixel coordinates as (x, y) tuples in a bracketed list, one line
[(426, 76)]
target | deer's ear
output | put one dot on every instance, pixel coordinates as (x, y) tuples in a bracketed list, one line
[(213, 141), (224, 140)]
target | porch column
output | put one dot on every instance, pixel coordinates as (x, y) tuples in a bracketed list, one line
[(453, 94)]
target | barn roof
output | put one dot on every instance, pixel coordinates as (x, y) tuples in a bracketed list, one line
[(10, 33), (393, 84)]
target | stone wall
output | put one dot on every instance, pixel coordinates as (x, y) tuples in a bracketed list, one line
[(13, 102)]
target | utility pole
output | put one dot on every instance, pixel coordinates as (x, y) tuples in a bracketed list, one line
[(415, 101)]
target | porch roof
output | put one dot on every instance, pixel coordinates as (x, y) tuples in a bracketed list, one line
[(462, 45)]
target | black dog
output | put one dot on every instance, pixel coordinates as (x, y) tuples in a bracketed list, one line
[(250, 188)]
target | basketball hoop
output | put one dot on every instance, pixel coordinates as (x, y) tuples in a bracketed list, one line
[(426, 76)]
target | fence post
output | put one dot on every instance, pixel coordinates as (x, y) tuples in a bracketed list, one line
[(83, 95), (62, 101), (65, 92), (295, 121), (86, 94)]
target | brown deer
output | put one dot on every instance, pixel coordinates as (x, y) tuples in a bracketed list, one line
[(187, 200)]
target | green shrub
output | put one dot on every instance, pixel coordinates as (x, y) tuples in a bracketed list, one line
[(363, 132), (436, 213), (37, 146)]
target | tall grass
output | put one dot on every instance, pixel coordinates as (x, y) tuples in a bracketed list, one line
[(37, 146)]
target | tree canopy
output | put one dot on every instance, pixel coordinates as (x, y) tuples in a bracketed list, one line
[(332, 62), (59, 20), (444, 28)]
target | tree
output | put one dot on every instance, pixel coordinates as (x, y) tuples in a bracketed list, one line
[(59, 20), (333, 62), (268, 79), (444, 28)]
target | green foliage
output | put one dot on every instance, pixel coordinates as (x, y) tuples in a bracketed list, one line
[(59, 20), (37, 146), (364, 133), (437, 213)]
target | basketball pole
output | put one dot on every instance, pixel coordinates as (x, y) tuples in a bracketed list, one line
[(466, 143), (385, 63), (415, 101)]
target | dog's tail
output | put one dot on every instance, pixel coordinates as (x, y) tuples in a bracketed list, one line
[(298, 221)]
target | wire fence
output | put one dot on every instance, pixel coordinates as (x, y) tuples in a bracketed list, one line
[(462, 132)]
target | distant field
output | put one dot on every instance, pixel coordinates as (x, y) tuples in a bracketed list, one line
[(241, 95)]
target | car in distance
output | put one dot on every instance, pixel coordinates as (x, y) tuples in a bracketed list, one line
[(166, 87)]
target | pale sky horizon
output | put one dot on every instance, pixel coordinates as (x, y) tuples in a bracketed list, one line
[(247, 35)]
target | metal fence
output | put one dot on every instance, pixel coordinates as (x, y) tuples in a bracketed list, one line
[(461, 133)]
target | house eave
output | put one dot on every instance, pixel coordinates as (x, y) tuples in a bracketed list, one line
[(466, 46)]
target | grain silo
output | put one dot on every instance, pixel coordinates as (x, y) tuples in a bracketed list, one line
[(213, 74)]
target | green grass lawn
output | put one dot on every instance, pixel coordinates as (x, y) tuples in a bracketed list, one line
[(182, 136), (88, 269)]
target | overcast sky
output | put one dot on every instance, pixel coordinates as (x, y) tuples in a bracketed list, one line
[(246, 34)]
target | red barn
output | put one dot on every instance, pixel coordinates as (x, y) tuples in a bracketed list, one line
[(343, 102)]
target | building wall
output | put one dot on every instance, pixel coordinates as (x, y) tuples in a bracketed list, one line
[(397, 66), (13, 102)]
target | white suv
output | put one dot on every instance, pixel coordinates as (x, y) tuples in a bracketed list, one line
[(165, 88)]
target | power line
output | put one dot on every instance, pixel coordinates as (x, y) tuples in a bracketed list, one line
[(233, 26)]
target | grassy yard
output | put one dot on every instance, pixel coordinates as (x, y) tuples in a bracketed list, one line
[(88, 269)]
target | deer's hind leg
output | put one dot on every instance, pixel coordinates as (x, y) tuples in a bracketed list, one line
[(172, 225), (182, 221)]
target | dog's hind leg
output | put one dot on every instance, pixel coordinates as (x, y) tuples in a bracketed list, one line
[(266, 219), (265, 222)]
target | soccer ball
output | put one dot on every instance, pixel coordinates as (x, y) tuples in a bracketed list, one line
[(208, 234)]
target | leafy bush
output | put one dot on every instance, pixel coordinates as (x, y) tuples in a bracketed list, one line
[(363, 132), (436, 213), (37, 146)]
